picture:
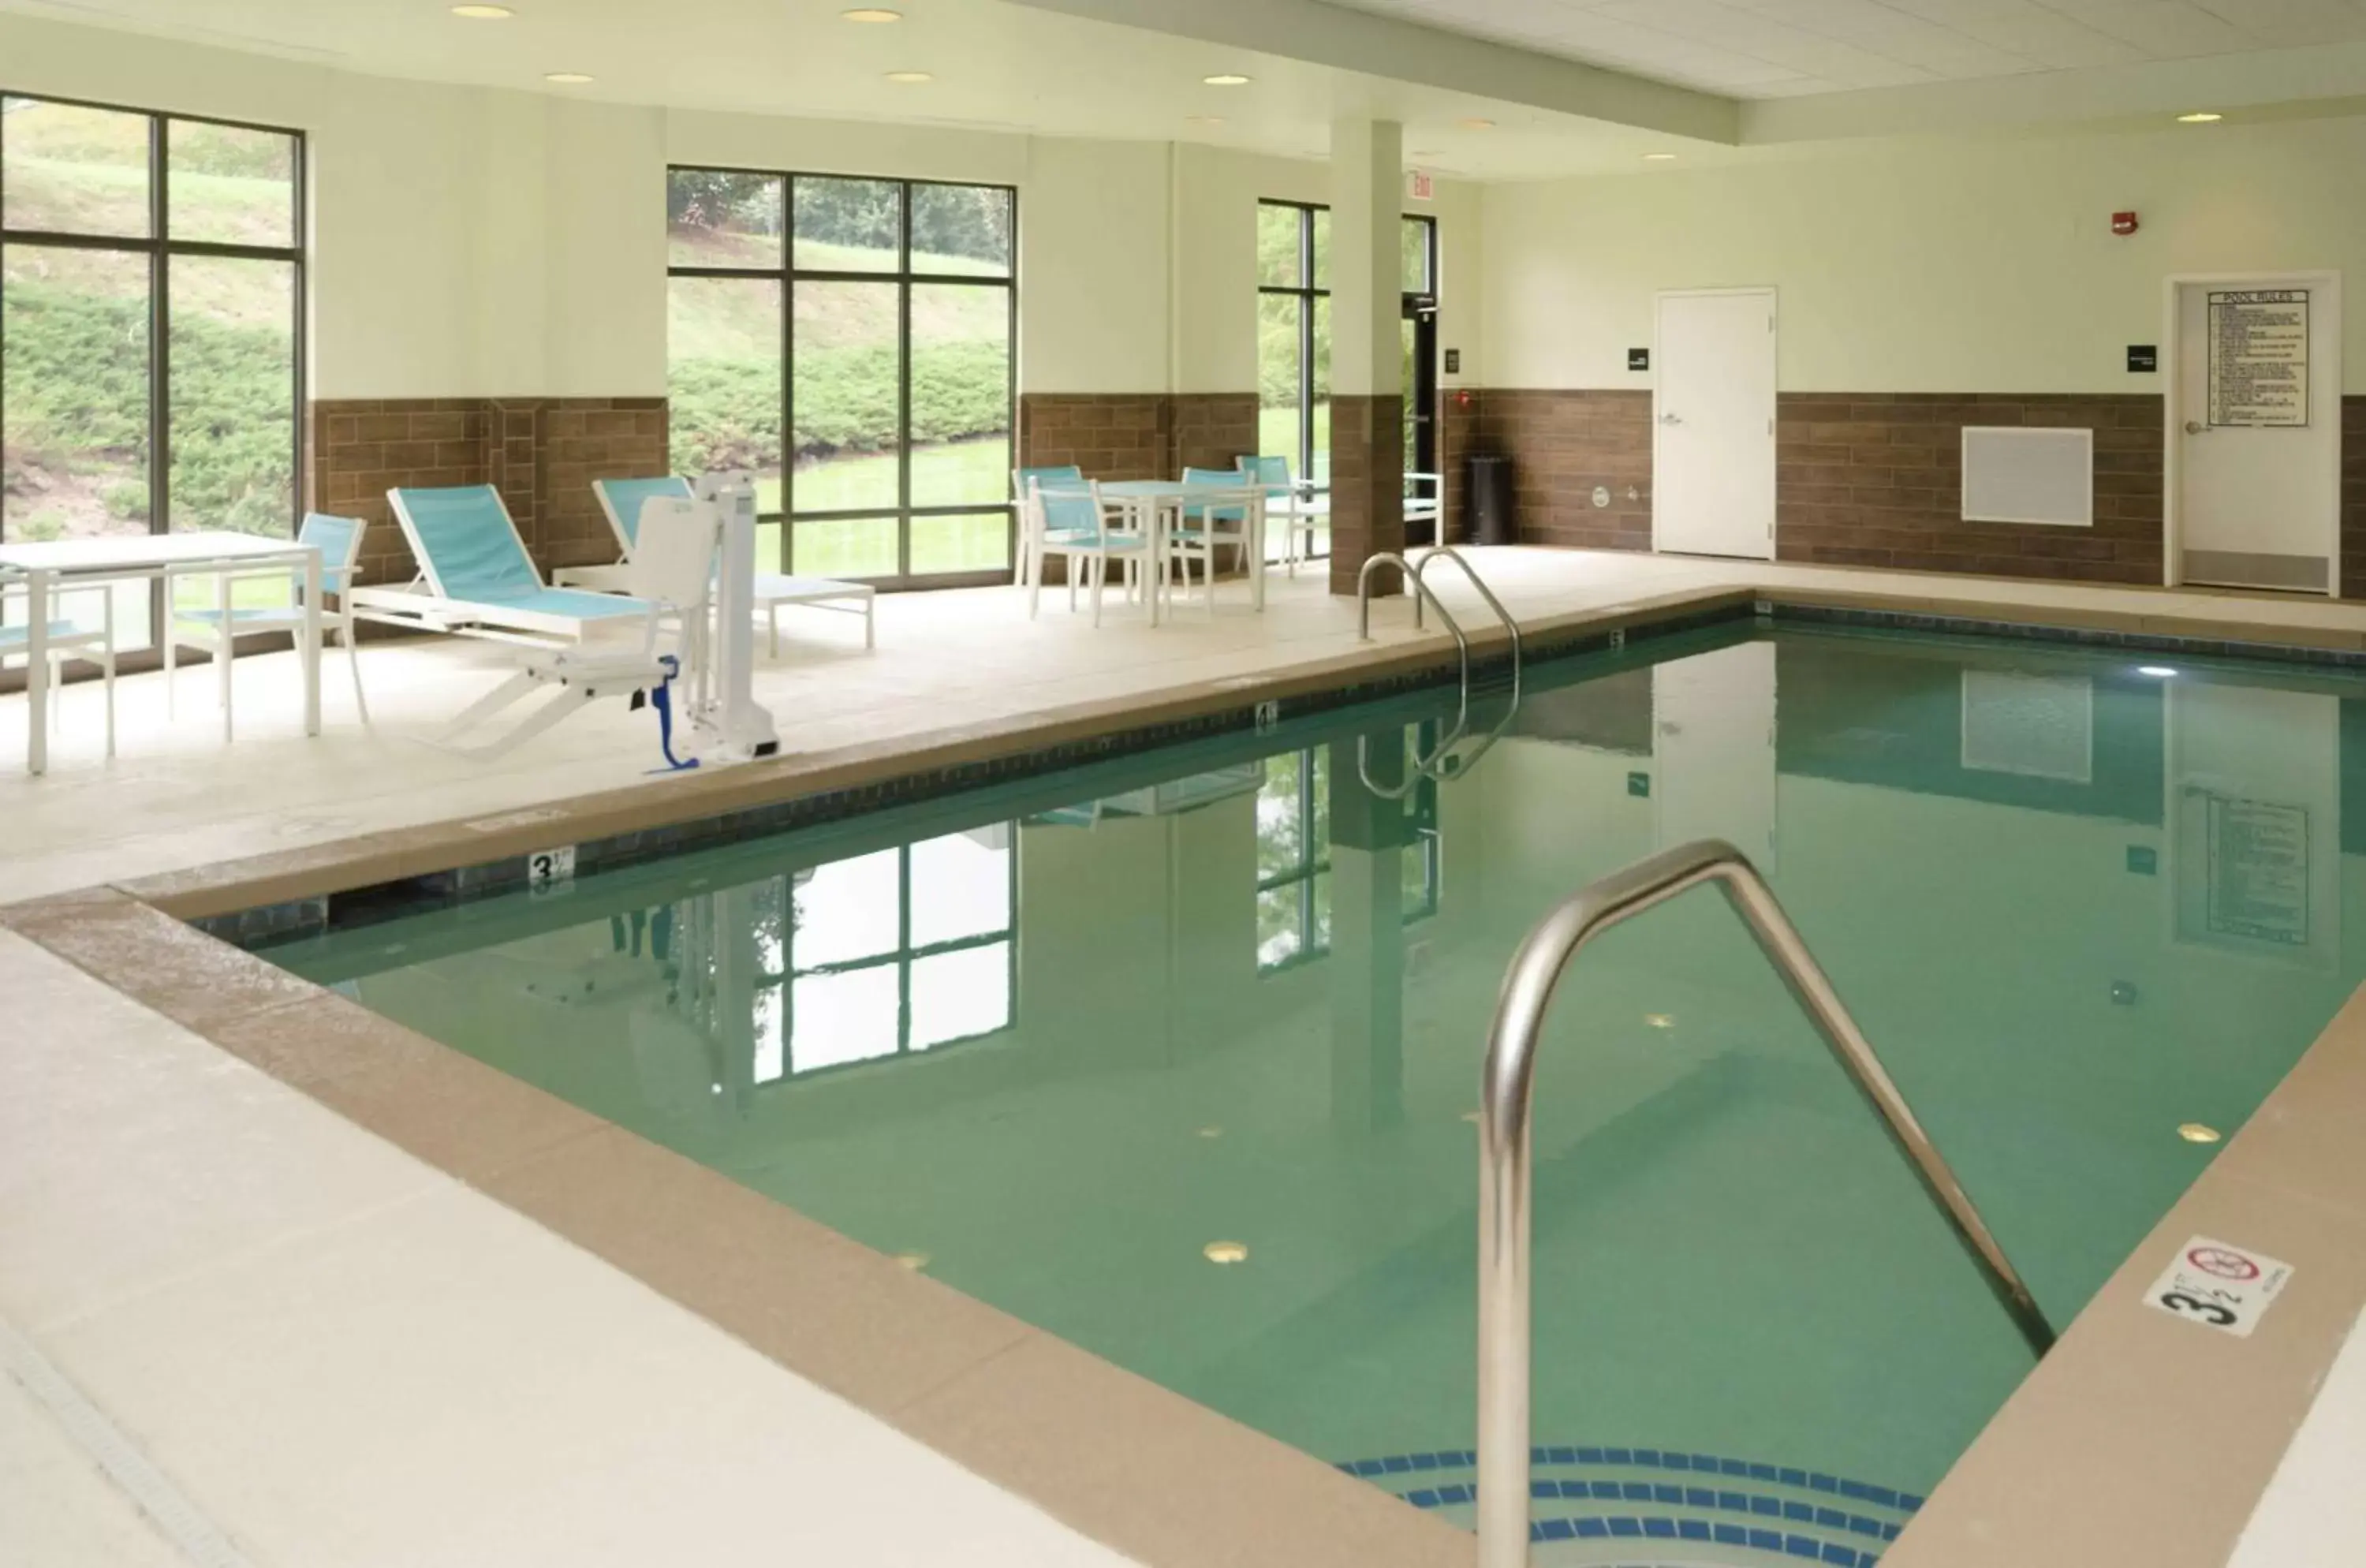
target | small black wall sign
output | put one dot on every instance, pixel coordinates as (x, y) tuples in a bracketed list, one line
[(1639, 359), (2144, 358), (1454, 362)]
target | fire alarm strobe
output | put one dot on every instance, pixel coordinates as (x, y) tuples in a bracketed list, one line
[(2124, 223)]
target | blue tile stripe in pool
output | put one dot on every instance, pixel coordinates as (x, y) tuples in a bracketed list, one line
[(1618, 1526), (1847, 1536), (1648, 1458)]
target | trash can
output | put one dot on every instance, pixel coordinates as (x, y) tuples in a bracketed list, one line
[(1492, 522)]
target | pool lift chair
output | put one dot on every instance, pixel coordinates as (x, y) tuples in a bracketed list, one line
[(697, 639)]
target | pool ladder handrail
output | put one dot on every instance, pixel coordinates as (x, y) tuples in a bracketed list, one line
[(1504, 1161), (1435, 764)]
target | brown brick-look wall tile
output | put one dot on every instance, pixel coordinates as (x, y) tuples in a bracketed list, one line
[(582, 439), (2353, 498), (362, 448), (1212, 430), (1867, 479), (1117, 435), (1367, 489), (1457, 439), (542, 454), (1565, 444)]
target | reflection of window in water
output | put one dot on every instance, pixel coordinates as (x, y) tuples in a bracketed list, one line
[(1293, 827), (899, 951)]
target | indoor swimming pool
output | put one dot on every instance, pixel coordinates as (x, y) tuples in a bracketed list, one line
[(1177, 1057)]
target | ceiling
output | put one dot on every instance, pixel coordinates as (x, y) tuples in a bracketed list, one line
[(1766, 49), (996, 67), (1488, 89)]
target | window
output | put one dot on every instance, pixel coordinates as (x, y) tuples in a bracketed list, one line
[(1418, 248), (1293, 829), (152, 306), (1294, 335), (871, 321), (886, 955)]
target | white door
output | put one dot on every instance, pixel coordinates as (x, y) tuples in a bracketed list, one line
[(1713, 431), (2257, 422), (1713, 749)]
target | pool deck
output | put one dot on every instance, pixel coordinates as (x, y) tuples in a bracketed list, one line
[(349, 1297)]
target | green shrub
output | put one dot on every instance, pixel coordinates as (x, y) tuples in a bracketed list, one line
[(77, 397), (727, 412)]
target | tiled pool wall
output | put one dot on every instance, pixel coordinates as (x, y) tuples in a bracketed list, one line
[(269, 924)]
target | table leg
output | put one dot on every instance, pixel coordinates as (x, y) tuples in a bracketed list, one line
[(1155, 516), (311, 642), (1256, 548), (37, 672), (224, 641)]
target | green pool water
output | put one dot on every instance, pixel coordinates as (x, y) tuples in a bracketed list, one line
[(1057, 1041)]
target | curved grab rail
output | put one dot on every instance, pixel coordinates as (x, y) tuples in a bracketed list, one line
[(1437, 763), (1448, 552), (1504, 1173)]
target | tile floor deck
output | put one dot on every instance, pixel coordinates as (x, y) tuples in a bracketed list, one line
[(345, 1356)]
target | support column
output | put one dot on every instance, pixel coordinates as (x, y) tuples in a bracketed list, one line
[(1367, 350)]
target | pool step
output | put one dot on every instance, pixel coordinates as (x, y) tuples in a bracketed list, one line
[(1634, 1508)]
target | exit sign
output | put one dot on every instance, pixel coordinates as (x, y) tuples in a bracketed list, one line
[(1421, 185)]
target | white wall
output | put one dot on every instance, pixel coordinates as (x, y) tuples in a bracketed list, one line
[(1972, 266), (1094, 258)]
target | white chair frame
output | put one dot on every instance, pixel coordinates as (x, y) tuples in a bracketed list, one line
[(1128, 546), (96, 649), (220, 639)]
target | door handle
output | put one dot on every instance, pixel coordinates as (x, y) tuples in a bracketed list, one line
[(2195, 427)]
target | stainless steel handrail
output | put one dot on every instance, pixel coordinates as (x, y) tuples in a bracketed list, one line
[(1505, 1164), (1436, 764)]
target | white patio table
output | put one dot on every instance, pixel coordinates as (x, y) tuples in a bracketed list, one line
[(45, 565)]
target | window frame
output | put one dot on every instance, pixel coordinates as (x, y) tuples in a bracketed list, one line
[(782, 982), (160, 248), (787, 274)]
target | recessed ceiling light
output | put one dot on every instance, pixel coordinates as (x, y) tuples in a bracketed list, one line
[(1226, 1252), (2200, 117), (2199, 1132), (909, 78), (484, 12), (2158, 671), (1203, 119), (1659, 157), (914, 1261), (1228, 79), (1476, 124), (1424, 153), (1659, 1020), (568, 78), (1212, 1131), (1473, 1117), (871, 14)]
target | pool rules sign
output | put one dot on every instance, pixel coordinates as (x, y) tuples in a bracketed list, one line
[(2220, 1287), (2258, 359)]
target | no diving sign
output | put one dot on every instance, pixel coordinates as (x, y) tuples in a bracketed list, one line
[(2226, 1287)]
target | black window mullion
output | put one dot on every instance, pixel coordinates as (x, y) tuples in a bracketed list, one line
[(904, 404), (159, 354)]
